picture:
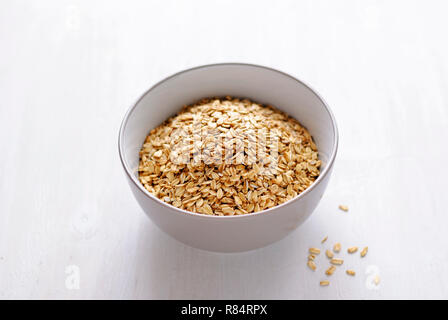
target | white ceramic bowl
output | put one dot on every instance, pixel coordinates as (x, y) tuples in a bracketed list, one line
[(260, 84)]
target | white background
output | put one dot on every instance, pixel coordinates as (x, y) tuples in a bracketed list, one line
[(70, 69)]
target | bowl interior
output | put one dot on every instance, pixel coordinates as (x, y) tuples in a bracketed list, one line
[(259, 84)]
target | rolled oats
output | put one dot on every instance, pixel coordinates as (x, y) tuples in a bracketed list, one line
[(330, 270), (228, 157), (364, 252), (377, 280), (337, 247), (336, 261), (350, 272), (312, 265), (352, 249), (324, 283)]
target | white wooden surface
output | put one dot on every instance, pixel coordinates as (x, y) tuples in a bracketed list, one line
[(70, 69)]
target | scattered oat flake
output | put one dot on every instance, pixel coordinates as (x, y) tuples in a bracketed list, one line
[(330, 270), (336, 261), (364, 252), (343, 207), (377, 279), (329, 254), (314, 250), (324, 283), (352, 249), (337, 247), (312, 265), (311, 257), (350, 272), (324, 239)]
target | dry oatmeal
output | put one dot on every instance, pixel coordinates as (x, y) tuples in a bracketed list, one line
[(330, 270), (351, 272), (329, 254), (364, 252), (377, 280), (311, 257), (324, 283), (336, 261), (337, 247), (312, 265), (352, 249), (185, 161)]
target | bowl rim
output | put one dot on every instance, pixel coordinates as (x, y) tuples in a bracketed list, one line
[(140, 187)]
